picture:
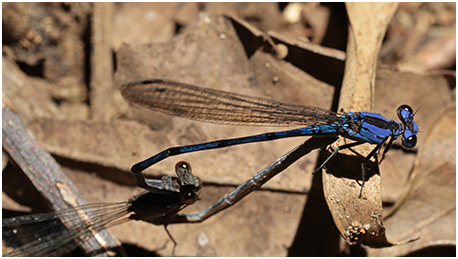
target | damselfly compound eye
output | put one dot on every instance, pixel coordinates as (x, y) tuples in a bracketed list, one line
[(183, 165), (404, 111), (409, 142)]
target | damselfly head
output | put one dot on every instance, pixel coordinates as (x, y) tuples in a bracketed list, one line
[(410, 128), (190, 184)]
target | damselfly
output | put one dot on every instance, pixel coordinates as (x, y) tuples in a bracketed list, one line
[(46, 235), (216, 106)]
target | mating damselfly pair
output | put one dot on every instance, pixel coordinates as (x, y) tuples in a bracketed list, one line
[(215, 106)]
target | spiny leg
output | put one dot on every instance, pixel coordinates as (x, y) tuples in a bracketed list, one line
[(335, 152), (171, 238), (386, 149), (167, 220), (363, 164)]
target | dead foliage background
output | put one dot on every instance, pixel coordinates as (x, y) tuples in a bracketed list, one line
[(63, 64)]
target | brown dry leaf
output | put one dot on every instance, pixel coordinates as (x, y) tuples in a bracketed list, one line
[(265, 16), (29, 26), (17, 90), (101, 61), (437, 54), (47, 42), (421, 37), (10, 204), (428, 209), (112, 144), (359, 219), (318, 17), (368, 22), (140, 23)]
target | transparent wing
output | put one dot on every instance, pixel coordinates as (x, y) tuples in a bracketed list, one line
[(216, 106), (46, 235)]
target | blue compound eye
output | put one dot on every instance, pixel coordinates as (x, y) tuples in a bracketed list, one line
[(404, 111), (409, 142)]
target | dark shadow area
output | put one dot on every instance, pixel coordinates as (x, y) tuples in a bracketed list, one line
[(435, 251), (356, 250), (327, 69), (133, 250), (86, 40), (350, 167), (249, 41), (178, 28), (114, 61), (323, 68), (109, 173), (18, 187), (451, 78), (282, 5), (35, 70), (6, 213), (336, 34), (316, 234)]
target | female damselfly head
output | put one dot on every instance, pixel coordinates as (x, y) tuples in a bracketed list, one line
[(190, 184), (410, 128)]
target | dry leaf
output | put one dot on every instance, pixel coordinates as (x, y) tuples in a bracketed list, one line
[(359, 218)]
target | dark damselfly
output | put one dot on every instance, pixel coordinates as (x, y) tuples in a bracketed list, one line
[(46, 235)]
